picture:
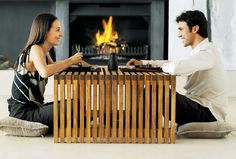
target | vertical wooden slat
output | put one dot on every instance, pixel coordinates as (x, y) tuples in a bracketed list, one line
[(134, 106), (173, 108), (114, 106), (55, 109), (121, 103), (68, 107), (88, 105), (101, 105), (166, 114), (154, 105), (127, 107), (95, 102), (62, 107), (108, 104), (140, 106), (160, 107), (82, 91), (75, 106), (147, 79)]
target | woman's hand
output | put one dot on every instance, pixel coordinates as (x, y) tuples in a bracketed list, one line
[(134, 62), (85, 64), (76, 58)]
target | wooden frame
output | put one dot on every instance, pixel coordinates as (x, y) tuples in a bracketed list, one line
[(115, 107)]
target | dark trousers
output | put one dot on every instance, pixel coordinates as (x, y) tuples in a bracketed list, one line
[(188, 111), (32, 112)]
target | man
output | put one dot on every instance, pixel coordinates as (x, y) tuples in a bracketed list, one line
[(205, 98)]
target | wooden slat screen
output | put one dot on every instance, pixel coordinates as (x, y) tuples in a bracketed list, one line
[(114, 107)]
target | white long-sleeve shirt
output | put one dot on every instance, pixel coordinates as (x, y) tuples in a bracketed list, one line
[(206, 81)]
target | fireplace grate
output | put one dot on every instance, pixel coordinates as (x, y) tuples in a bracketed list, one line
[(91, 52)]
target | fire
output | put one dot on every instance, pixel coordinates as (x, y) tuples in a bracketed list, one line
[(108, 36)]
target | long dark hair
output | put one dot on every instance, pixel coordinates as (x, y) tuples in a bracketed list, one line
[(39, 29), (193, 18)]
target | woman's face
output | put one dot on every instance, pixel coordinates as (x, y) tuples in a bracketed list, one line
[(55, 34)]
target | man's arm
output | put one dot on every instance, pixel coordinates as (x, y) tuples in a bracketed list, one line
[(154, 63), (201, 61)]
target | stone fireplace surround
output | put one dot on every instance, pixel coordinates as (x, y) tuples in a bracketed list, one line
[(158, 12)]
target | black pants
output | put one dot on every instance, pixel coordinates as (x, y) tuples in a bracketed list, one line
[(32, 112), (188, 111)]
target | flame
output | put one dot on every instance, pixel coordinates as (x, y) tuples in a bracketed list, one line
[(109, 35)]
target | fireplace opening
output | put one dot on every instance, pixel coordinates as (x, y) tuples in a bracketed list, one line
[(132, 39), (138, 30)]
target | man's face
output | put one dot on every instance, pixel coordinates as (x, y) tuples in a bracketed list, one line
[(185, 34)]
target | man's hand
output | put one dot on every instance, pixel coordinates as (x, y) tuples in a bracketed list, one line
[(160, 63), (134, 62)]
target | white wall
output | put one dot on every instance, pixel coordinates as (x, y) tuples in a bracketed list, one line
[(223, 17), (6, 78), (223, 34), (231, 83)]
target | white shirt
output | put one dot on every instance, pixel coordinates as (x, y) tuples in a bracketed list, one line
[(206, 82)]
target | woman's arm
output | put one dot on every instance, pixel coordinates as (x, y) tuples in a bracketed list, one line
[(83, 63), (38, 58)]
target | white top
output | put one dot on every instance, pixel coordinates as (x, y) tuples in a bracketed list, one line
[(206, 82)]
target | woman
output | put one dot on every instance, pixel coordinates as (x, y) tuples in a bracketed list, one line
[(32, 68)]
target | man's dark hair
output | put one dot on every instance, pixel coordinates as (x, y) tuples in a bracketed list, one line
[(193, 18)]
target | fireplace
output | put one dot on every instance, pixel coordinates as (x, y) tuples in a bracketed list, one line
[(127, 36), (141, 27)]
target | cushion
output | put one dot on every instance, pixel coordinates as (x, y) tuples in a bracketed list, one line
[(18, 127), (215, 129)]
